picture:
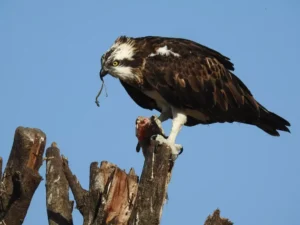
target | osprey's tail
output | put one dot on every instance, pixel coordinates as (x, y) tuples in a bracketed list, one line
[(270, 122)]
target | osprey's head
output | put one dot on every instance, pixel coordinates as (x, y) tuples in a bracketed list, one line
[(120, 59)]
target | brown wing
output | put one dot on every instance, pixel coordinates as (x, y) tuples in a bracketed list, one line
[(184, 47), (204, 84), (201, 83)]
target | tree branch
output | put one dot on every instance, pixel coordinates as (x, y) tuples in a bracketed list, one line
[(59, 207), (79, 193), (21, 177), (110, 197), (215, 219)]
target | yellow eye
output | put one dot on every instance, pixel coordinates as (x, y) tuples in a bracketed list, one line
[(115, 63)]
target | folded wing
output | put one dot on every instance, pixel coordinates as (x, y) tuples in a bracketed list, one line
[(203, 83)]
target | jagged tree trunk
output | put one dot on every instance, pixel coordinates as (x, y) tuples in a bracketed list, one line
[(21, 177), (59, 207), (113, 197)]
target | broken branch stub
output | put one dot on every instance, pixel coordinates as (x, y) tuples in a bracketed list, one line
[(114, 191), (59, 207), (110, 197), (155, 176), (21, 177), (80, 194), (216, 219)]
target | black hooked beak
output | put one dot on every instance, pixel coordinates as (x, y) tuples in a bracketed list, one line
[(102, 73)]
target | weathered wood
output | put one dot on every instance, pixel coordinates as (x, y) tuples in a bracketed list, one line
[(59, 207), (215, 219), (80, 194), (110, 197), (155, 176), (1, 161), (114, 197), (21, 178), (3, 194), (114, 191)]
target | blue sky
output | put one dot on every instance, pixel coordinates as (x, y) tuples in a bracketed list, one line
[(49, 64)]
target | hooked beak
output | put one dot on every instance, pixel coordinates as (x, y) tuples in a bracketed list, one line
[(103, 72)]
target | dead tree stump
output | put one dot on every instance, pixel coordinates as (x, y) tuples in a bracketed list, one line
[(59, 207), (156, 174), (114, 197), (21, 177), (110, 197)]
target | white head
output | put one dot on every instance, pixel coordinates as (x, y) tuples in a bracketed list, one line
[(119, 59)]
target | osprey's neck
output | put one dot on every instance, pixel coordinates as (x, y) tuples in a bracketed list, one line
[(123, 73), (129, 77), (136, 80)]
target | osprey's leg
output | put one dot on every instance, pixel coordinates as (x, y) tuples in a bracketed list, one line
[(159, 120), (163, 116), (179, 119)]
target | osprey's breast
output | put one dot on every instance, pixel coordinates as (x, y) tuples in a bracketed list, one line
[(165, 106), (160, 101)]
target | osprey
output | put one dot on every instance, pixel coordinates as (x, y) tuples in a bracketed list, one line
[(186, 82)]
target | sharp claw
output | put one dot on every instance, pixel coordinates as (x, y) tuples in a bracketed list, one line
[(159, 124), (138, 147), (181, 151), (176, 149), (153, 117)]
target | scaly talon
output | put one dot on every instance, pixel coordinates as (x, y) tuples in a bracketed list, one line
[(180, 148), (138, 147), (158, 123), (176, 149)]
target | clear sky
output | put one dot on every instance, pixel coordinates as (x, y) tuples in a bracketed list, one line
[(49, 63)]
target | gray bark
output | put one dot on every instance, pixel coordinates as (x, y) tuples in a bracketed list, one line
[(59, 207), (21, 178), (114, 197), (110, 197), (155, 177)]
